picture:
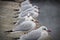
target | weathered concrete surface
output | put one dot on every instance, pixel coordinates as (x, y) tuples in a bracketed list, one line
[(19, 0), (6, 18), (50, 16)]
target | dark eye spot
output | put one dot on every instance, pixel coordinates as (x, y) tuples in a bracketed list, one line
[(28, 16), (32, 20), (44, 28)]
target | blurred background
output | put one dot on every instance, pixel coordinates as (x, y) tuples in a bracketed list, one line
[(49, 15)]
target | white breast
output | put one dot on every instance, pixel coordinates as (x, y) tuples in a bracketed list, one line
[(44, 34)]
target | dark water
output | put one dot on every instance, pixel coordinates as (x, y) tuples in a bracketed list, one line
[(50, 16)]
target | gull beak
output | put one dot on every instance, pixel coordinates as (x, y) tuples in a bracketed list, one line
[(36, 21), (48, 30)]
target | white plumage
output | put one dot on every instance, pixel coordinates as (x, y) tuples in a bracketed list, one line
[(26, 18), (25, 5), (27, 8), (26, 2), (25, 26), (32, 11), (35, 34)]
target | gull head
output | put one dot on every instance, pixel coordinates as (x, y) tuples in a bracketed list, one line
[(44, 28)]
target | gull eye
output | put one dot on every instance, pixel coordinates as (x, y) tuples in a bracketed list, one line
[(28, 16), (44, 28), (32, 20)]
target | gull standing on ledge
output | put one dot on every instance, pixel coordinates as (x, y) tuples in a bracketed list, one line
[(26, 18), (35, 34), (27, 25), (27, 8)]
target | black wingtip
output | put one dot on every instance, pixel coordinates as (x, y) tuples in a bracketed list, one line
[(9, 31), (14, 22), (17, 38), (16, 17), (16, 9)]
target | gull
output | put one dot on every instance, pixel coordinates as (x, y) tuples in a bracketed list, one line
[(25, 10), (26, 2), (25, 25), (26, 5), (35, 34), (30, 11), (28, 8), (26, 18)]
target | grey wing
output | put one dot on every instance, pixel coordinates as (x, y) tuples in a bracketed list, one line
[(26, 2), (23, 14), (24, 11), (25, 7), (25, 26), (33, 35), (20, 21)]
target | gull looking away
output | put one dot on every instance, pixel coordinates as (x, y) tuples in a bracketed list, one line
[(26, 7), (25, 26), (26, 18), (30, 11)]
